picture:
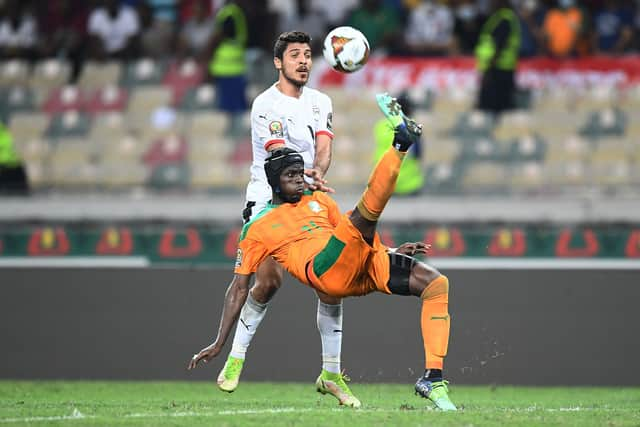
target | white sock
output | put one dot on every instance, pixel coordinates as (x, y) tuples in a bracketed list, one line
[(250, 317), (330, 328)]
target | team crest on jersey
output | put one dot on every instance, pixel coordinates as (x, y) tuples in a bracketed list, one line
[(239, 258), (330, 121), (314, 206), (275, 128)]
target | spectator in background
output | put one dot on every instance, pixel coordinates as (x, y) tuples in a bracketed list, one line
[(467, 25), (531, 16), (497, 58), (227, 66), (411, 179), (114, 31), (187, 9), (336, 12), (196, 32), (613, 28), (379, 23), (66, 24), (157, 39), (13, 178), (305, 17), (18, 31), (430, 30), (563, 29)]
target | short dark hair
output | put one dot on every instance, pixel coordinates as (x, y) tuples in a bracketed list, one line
[(289, 37)]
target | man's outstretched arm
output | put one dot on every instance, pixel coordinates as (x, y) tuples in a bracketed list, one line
[(234, 299)]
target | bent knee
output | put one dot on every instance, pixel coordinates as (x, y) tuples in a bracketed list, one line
[(436, 287)]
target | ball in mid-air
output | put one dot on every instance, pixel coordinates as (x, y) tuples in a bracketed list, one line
[(346, 49)]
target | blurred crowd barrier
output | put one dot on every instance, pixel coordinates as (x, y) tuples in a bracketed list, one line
[(143, 244)]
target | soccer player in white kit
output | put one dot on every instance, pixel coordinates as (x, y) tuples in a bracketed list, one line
[(289, 114)]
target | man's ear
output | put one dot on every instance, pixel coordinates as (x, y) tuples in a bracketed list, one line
[(277, 63)]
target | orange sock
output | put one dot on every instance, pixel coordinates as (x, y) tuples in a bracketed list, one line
[(381, 185), (435, 322)]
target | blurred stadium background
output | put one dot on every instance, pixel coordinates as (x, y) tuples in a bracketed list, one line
[(130, 163)]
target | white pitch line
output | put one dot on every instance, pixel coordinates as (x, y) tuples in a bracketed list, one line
[(77, 415)]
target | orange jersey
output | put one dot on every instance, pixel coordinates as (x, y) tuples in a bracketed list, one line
[(291, 232)]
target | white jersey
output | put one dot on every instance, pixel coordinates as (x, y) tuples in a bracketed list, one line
[(277, 118)]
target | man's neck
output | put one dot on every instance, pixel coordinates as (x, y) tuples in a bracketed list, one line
[(289, 89)]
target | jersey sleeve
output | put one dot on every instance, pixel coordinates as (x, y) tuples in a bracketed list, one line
[(325, 125), (266, 125), (250, 254)]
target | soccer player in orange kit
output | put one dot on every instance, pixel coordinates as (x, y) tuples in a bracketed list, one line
[(342, 255)]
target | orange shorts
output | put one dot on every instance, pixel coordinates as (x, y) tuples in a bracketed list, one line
[(349, 266)]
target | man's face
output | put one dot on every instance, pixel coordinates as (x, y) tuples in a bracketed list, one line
[(292, 183), (296, 63)]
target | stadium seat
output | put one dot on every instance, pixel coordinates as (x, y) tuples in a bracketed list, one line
[(49, 74), (143, 100), (572, 148), (443, 178), (105, 99), (526, 177), (514, 124), (565, 176), (485, 176), (14, 72), (38, 174), (73, 163), (28, 126), (144, 71), (70, 124), (480, 148), (472, 124), (169, 150), (609, 174), (168, 176), (66, 98), (199, 98), (527, 148), (606, 122), (123, 174), (598, 97), (436, 124), (18, 99), (454, 101), (108, 127), (207, 175), (127, 149), (96, 75), (440, 151), (181, 76), (210, 150), (37, 149), (556, 99), (207, 124)]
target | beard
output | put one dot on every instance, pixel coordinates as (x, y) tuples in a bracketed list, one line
[(296, 82)]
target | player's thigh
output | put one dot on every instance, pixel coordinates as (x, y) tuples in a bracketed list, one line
[(268, 280), (421, 275)]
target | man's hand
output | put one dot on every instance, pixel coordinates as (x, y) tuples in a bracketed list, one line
[(413, 248), (205, 355), (319, 183)]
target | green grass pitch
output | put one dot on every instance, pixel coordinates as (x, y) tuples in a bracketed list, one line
[(86, 403)]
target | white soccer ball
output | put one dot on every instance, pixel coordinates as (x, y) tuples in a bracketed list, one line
[(346, 49)]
